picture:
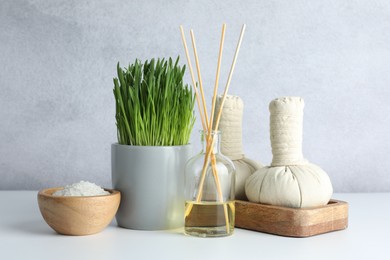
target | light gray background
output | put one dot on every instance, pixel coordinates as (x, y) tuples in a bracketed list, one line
[(58, 58)]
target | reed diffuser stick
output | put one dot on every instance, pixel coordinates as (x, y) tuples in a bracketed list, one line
[(217, 78), (219, 190), (183, 37), (213, 159), (215, 95), (199, 76), (230, 76)]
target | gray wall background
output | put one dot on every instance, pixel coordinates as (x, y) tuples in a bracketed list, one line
[(58, 58)]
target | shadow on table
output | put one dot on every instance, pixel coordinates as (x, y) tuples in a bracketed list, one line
[(34, 227)]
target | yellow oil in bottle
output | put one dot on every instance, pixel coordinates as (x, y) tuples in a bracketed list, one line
[(209, 219)]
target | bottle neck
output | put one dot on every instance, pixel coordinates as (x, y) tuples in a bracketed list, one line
[(214, 139)]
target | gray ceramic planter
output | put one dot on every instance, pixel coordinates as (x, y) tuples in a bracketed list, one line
[(151, 182)]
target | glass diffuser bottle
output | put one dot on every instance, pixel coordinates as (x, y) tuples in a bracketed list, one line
[(209, 191)]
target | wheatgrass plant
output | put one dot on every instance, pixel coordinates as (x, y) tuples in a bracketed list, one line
[(153, 105)]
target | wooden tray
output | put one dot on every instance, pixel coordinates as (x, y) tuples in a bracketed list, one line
[(292, 222)]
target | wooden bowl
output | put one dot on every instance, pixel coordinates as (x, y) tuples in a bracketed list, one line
[(78, 215)]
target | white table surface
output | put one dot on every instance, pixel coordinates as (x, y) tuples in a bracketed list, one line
[(25, 235)]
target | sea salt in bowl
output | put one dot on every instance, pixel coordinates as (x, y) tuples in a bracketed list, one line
[(78, 215)]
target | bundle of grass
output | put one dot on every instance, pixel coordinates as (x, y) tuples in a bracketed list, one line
[(153, 105), (154, 118)]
